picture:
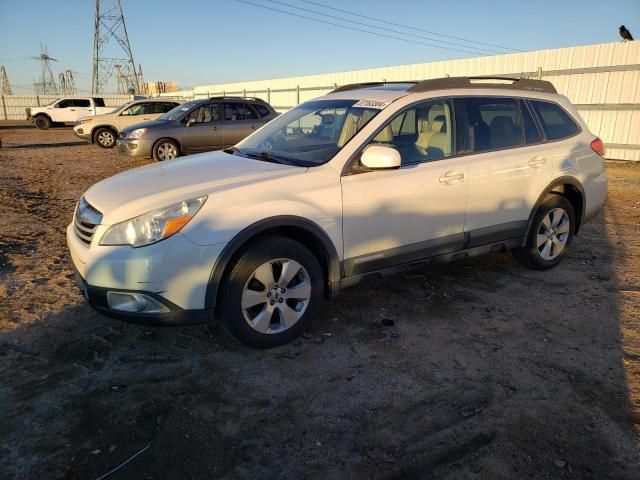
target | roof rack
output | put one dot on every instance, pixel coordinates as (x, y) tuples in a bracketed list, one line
[(484, 82), (236, 98), (356, 86), (462, 82)]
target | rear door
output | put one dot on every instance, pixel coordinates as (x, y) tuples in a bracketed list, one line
[(507, 167), (239, 121), (203, 129)]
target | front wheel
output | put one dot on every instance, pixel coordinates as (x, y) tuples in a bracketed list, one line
[(42, 122), (550, 236), (105, 138), (272, 293), (166, 150)]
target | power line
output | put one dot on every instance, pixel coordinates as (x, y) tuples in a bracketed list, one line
[(409, 27), (356, 29), (383, 28)]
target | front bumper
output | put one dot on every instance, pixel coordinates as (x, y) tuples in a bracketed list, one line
[(83, 132), (135, 147), (97, 298), (175, 272)]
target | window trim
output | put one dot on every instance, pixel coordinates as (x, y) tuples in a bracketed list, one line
[(522, 103)]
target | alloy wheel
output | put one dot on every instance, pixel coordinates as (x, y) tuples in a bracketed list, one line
[(276, 296), (167, 151), (553, 233)]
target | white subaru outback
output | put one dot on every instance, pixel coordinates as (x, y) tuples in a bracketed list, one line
[(365, 180)]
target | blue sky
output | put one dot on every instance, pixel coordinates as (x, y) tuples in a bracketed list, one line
[(200, 42)]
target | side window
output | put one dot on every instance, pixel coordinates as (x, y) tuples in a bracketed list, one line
[(238, 111), (137, 109), (82, 102), (421, 133), (494, 123), (64, 104), (161, 107), (261, 109), (531, 133), (556, 123), (98, 102), (205, 114)]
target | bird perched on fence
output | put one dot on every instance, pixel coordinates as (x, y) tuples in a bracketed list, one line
[(625, 34)]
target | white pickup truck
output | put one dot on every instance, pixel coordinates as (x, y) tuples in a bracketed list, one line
[(66, 111)]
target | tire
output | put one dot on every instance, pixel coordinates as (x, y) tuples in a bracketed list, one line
[(274, 316), (166, 149), (550, 236), (104, 138), (42, 122)]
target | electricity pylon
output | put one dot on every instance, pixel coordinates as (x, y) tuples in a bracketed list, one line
[(110, 30), (47, 84), (67, 83), (4, 82)]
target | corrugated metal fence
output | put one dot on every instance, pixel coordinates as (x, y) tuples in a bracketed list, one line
[(603, 81), (12, 107)]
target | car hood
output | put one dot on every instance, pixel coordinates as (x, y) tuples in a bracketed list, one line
[(150, 123), (147, 188)]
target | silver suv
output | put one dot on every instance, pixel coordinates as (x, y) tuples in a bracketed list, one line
[(196, 126)]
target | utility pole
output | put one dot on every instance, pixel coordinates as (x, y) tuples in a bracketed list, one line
[(4, 82), (46, 85), (110, 31)]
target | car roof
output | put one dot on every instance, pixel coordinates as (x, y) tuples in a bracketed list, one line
[(389, 91)]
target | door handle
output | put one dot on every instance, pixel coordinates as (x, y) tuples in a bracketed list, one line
[(253, 127), (451, 178), (72, 109), (537, 162), (214, 128)]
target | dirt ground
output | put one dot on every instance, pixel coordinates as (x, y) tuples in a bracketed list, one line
[(491, 371)]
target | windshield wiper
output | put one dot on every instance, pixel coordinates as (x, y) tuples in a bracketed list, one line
[(266, 157)]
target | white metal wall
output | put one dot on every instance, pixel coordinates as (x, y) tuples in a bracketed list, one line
[(602, 80)]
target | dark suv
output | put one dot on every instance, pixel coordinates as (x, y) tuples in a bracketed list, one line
[(196, 126)]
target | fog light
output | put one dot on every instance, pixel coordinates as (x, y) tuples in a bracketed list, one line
[(135, 302)]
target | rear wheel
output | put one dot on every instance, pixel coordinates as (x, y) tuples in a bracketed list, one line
[(105, 138), (272, 293), (166, 150), (550, 236), (42, 122)]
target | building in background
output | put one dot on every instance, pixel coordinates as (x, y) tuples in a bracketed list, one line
[(156, 88)]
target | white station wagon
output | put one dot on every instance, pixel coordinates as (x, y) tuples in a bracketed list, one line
[(362, 181)]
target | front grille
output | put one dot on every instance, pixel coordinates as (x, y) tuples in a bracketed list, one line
[(85, 221)]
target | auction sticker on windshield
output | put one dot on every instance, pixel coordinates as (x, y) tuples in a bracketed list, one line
[(379, 104)]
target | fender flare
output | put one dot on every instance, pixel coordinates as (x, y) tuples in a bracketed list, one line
[(566, 180), (334, 272)]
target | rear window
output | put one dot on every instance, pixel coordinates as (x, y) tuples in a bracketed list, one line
[(81, 102), (556, 123), (99, 102), (261, 109)]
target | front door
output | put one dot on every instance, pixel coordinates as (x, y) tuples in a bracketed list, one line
[(416, 211), (203, 129), (507, 168)]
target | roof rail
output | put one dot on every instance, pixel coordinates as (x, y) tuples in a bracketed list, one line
[(356, 86), (483, 82), (236, 98), (462, 82)]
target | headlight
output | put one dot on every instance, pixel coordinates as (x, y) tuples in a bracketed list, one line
[(86, 120), (138, 133), (151, 227)]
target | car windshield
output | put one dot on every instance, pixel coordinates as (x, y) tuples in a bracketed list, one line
[(179, 112), (309, 134)]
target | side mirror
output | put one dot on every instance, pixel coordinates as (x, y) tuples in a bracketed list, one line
[(379, 157)]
